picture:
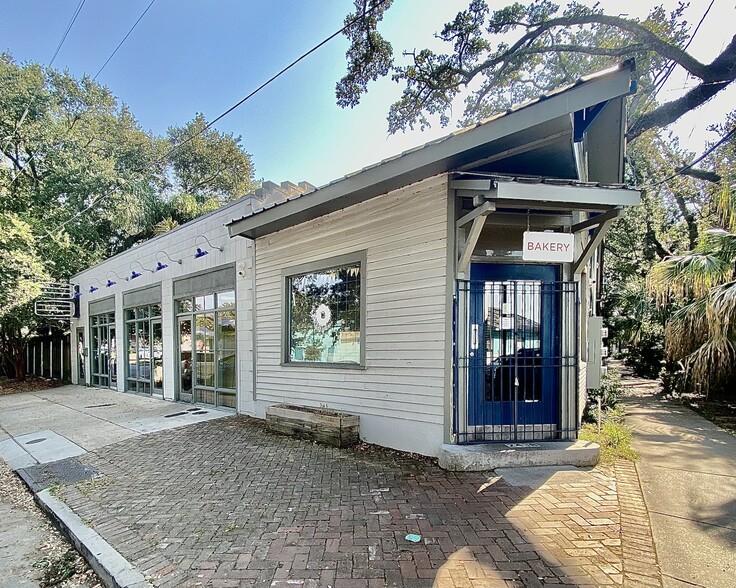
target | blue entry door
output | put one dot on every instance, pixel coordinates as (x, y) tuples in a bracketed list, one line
[(513, 356)]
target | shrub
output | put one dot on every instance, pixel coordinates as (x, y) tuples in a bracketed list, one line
[(645, 357), (609, 394)]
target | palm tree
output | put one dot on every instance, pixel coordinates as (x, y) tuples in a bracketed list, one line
[(702, 332)]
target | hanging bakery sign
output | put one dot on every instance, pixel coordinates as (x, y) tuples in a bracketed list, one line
[(559, 247)]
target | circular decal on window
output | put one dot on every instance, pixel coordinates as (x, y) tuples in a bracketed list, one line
[(322, 316)]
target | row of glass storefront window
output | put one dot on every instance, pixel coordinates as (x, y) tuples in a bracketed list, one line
[(207, 359)]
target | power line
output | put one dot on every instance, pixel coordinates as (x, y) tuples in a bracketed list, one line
[(68, 29), (53, 58), (697, 160), (135, 24), (99, 71), (219, 117), (669, 67)]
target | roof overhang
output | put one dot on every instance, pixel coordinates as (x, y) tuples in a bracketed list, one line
[(545, 126), (511, 193)]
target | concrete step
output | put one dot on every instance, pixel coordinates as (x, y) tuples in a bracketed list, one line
[(478, 458)]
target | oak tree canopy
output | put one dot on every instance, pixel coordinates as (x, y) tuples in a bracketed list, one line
[(505, 56)]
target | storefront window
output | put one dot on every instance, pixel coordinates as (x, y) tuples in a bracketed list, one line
[(103, 356), (144, 357), (208, 372), (324, 315)]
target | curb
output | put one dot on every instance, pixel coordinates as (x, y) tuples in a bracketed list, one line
[(112, 568), (639, 554)]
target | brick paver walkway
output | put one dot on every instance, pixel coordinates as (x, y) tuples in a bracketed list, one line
[(227, 504)]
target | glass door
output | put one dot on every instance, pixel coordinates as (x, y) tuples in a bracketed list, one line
[(81, 377), (185, 360), (157, 358), (103, 352), (112, 358)]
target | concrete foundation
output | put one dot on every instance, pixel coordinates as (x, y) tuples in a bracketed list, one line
[(478, 458)]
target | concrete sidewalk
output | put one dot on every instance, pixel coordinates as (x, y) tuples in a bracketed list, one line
[(688, 476), (65, 422)]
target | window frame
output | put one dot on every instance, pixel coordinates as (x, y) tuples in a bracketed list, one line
[(192, 315), (324, 264)]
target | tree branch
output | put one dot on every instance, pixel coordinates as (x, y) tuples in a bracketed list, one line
[(700, 174), (669, 112), (639, 32)]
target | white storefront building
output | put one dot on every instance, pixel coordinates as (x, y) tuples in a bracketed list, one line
[(401, 293)]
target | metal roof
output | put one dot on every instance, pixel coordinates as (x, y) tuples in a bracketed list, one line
[(536, 136)]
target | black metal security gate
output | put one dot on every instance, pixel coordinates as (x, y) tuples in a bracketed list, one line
[(515, 357)]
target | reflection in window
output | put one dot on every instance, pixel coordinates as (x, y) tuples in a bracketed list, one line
[(324, 316), (211, 364), (205, 341)]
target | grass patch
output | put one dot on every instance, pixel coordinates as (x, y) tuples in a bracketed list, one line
[(56, 569), (614, 436)]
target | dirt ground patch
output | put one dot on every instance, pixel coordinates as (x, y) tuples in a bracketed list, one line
[(55, 562), (30, 384)]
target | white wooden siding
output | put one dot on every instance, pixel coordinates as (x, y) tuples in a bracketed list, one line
[(405, 236)]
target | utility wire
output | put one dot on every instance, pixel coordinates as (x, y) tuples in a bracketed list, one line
[(219, 117), (135, 24), (693, 163), (68, 29), (69, 26), (669, 67), (99, 71)]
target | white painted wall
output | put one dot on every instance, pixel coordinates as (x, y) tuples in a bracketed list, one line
[(179, 244), (400, 395)]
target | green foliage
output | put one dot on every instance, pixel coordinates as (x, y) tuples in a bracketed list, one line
[(610, 391), (21, 269), (207, 164), (646, 356), (514, 53), (701, 333), (370, 56), (613, 436), (80, 181), (57, 568)]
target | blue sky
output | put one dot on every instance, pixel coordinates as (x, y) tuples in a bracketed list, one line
[(190, 56)]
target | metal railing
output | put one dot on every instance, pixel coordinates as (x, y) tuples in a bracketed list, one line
[(515, 361)]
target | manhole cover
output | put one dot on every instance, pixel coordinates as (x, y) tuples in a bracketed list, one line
[(33, 441)]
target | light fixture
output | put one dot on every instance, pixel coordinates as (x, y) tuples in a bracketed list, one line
[(160, 265), (92, 288), (202, 252), (110, 281), (134, 274)]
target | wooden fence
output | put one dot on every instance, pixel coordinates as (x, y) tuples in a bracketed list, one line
[(49, 357)]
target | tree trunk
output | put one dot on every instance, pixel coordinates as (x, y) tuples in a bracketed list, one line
[(16, 348)]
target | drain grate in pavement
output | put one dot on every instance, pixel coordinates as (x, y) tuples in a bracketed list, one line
[(186, 412), (100, 405), (64, 471)]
